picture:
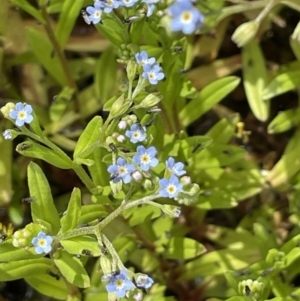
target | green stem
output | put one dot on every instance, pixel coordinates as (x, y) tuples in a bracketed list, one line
[(130, 90), (47, 142), (61, 55), (97, 228), (84, 177), (266, 10)]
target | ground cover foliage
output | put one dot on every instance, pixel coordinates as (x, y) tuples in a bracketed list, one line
[(150, 150)]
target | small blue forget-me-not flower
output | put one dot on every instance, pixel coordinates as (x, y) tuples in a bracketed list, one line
[(7, 135), (42, 243), (142, 58), (153, 74), (170, 187), (119, 284), (121, 171), (21, 113), (145, 157), (137, 133), (144, 281), (95, 12), (185, 17), (109, 5), (175, 168), (129, 3)]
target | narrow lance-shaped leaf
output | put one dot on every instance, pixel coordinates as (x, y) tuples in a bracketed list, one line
[(42, 207), (255, 76), (89, 136), (69, 14), (23, 268), (105, 75), (35, 150), (43, 50), (207, 98), (70, 220)]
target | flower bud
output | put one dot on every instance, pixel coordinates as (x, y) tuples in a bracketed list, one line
[(121, 138), (185, 180), (131, 70), (137, 176), (245, 32), (7, 108), (150, 100), (122, 125)]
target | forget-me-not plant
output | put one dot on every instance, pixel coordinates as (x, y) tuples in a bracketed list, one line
[(144, 281), (153, 74), (142, 58), (7, 135), (137, 133), (119, 284), (21, 113), (95, 12), (175, 168), (185, 17), (170, 187), (145, 158), (42, 243), (121, 171)]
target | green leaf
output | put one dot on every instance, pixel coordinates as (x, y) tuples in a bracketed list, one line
[(72, 269), (124, 246), (43, 207), (91, 212), (114, 30), (255, 76), (70, 220), (119, 108), (23, 268), (48, 285), (69, 14), (284, 121), (10, 253), (288, 165), (78, 245), (105, 75), (145, 213), (282, 83), (43, 50), (181, 248), (60, 103), (35, 150), (88, 138), (26, 6), (207, 98)]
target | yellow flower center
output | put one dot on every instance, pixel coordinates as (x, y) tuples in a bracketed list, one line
[(186, 16), (171, 189), (42, 242), (22, 115), (145, 158)]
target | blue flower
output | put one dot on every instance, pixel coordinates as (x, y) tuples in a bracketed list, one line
[(119, 284), (151, 6), (22, 114), (175, 168), (129, 3), (121, 171), (144, 281), (170, 187), (185, 17), (7, 135), (42, 243), (145, 157), (137, 133), (153, 74), (142, 58), (95, 12), (109, 5)]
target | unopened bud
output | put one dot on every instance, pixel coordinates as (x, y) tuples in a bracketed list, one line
[(150, 100), (137, 176), (245, 32), (121, 138), (185, 180), (131, 70), (7, 108), (122, 125)]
